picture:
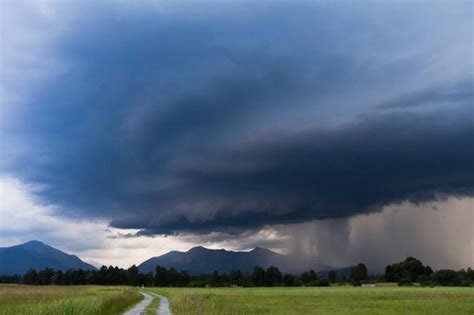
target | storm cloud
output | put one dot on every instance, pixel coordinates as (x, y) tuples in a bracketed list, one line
[(232, 117), (325, 174)]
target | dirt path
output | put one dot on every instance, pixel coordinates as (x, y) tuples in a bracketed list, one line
[(164, 305), (140, 308)]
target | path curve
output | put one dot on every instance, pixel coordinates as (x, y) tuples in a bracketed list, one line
[(140, 307), (164, 308)]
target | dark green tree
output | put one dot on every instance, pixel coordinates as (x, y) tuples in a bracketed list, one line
[(161, 277), (31, 277), (332, 276), (409, 269), (447, 277), (236, 277), (44, 276), (132, 276), (273, 277), (389, 274), (358, 273), (309, 277), (183, 278), (288, 280), (258, 276), (173, 277)]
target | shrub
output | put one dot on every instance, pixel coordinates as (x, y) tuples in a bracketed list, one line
[(423, 280), (404, 282), (466, 282), (447, 277), (323, 282)]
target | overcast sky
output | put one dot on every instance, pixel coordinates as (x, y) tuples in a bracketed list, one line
[(340, 131)]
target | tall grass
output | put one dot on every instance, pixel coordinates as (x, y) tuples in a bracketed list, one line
[(331, 301), (60, 300)]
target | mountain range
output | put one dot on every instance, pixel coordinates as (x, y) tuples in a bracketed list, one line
[(37, 255), (201, 260), (198, 260)]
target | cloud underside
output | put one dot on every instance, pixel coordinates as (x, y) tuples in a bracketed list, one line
[(282, 177), (186, 123), (312, 175)]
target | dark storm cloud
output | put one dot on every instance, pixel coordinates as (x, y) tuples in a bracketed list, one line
[(322, 174), (232, 117)]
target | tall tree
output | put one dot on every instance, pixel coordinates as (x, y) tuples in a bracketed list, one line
[(358, 273), (236, 277), (132, 276), (409, 269), (258, 276), (31, 277), (161, 277), (273, 276), (309, 276), (332, 276), (389, 274)]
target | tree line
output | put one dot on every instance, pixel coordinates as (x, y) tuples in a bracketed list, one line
[(412, 270), (164, 277), (404, 273)]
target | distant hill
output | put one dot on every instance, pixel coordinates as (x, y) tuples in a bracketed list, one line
[(34, 254), (200, 260)]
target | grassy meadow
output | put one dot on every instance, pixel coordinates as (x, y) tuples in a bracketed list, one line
[(20, 299), (66, 300), (328, 300)]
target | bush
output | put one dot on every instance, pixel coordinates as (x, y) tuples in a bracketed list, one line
[(423, 280), (428, 283), (404, 282), (322, 282), (447, 277), (298, 282), (466, 282)]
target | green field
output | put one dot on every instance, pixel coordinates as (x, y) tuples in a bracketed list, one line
[(332, 300), (21, 299)]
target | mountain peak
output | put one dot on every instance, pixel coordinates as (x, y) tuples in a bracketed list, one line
[(261, 250), (33, 243), (202, 249), (198, 249), (38, 255)]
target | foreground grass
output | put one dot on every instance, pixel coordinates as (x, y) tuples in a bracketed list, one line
[(332, 300), (61, 300)]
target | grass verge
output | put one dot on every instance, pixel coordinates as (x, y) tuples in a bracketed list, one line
[(61, 300)]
